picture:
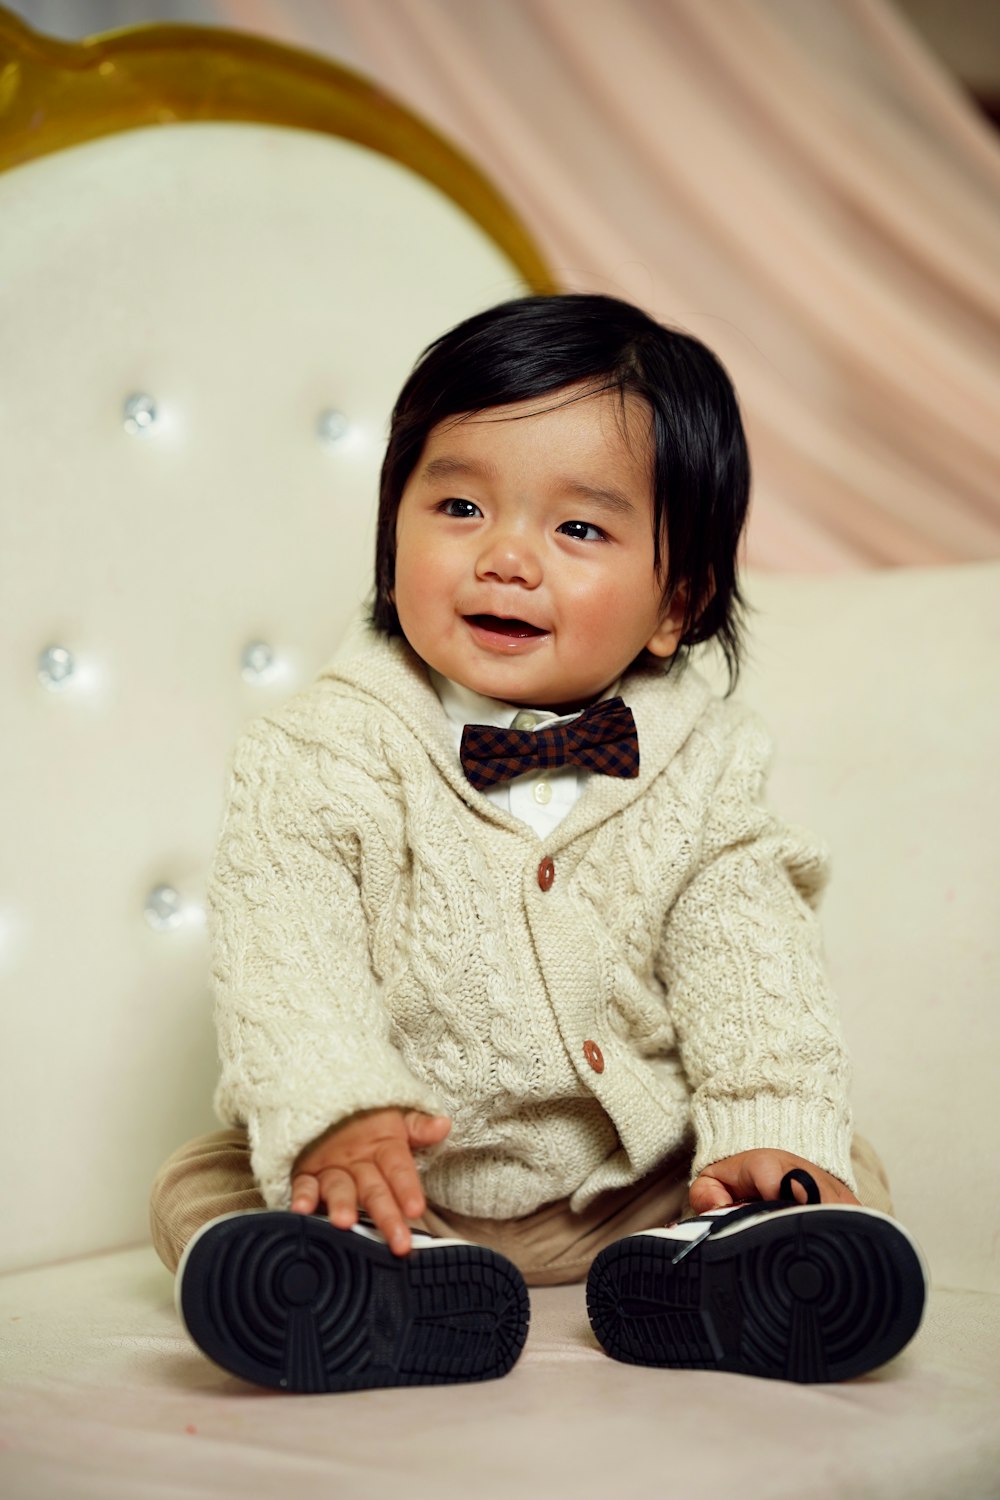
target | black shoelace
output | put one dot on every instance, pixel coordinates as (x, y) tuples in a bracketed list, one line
[(785, 1199)]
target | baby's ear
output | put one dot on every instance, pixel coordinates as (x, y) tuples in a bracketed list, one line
[(666, 637)]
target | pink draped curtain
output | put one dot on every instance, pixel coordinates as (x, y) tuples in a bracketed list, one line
[(797, 182)]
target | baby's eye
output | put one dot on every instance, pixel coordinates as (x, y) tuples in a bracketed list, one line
[(583, 531), (459, 508)]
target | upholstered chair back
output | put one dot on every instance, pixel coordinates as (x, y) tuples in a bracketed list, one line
[(204, 324)]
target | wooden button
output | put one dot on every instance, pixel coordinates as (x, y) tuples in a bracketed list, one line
[(546, 873), (594, 1056)]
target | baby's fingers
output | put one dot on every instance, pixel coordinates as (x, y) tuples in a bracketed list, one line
[(340, 1192), (305, 1193), (426, 1130), (707, 1193), (378, 1198)]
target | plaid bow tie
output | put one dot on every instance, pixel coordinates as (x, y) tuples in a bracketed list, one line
[(602, 739)]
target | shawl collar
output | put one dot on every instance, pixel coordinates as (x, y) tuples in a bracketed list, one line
[(388, 673)]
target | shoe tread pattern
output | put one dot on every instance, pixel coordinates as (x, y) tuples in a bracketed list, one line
[(291, 1302), (822, 1296)]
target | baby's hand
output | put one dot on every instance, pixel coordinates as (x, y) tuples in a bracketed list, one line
[(757, 1174), (368, 1160)]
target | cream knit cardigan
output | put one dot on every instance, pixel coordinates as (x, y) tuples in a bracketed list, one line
[(379, 937)]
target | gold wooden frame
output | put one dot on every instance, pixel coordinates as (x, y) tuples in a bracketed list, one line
[(56, 94)]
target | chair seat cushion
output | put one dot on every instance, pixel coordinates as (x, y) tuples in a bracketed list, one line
[(104, 1394)]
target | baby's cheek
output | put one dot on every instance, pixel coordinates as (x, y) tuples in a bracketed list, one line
[(613, 614)]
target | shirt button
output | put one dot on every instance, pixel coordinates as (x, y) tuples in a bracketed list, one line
[(542, 792), (546, 874), (594, 1056), (524, 721)]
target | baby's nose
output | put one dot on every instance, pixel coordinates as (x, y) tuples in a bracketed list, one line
[(511, 558)]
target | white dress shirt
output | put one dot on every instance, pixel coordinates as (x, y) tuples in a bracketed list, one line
[(540, 798)]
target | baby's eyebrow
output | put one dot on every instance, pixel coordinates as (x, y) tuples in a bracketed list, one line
[(447, 468), (612, 500)]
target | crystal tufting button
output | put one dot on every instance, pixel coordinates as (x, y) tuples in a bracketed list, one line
[(258, 662), (55, 666), (332, 426), (163, 907), (140, 413)]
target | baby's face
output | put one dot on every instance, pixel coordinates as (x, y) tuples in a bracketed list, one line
[(524, 550)]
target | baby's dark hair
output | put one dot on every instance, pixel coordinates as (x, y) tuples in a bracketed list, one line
[(534, 346)]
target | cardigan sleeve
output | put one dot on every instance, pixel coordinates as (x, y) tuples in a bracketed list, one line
[(756, 1023), (303, 1037)]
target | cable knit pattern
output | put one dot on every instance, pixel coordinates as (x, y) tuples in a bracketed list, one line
[(379, 937)]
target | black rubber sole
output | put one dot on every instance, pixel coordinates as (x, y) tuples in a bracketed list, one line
[(288, 1301), (819, 1295)]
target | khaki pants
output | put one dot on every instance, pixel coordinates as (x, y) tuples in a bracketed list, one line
[(211, 1175)]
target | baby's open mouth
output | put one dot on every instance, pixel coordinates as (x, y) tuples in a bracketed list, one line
[(501, 626)]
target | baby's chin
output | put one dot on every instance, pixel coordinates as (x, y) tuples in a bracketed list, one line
[(545, 697)]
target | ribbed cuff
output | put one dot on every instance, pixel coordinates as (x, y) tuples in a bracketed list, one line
[(811, 1128)]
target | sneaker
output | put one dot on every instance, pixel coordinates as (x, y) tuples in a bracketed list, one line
[(287, 1300), (812, 1292)]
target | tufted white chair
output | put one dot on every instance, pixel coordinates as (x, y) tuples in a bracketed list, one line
[(205, 320), (218, 261)]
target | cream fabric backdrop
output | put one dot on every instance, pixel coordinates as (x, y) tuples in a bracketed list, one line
[(802, 185)]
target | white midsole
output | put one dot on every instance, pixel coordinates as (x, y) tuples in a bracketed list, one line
[(687, 1229)]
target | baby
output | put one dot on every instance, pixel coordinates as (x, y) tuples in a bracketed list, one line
[(518, 979)]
